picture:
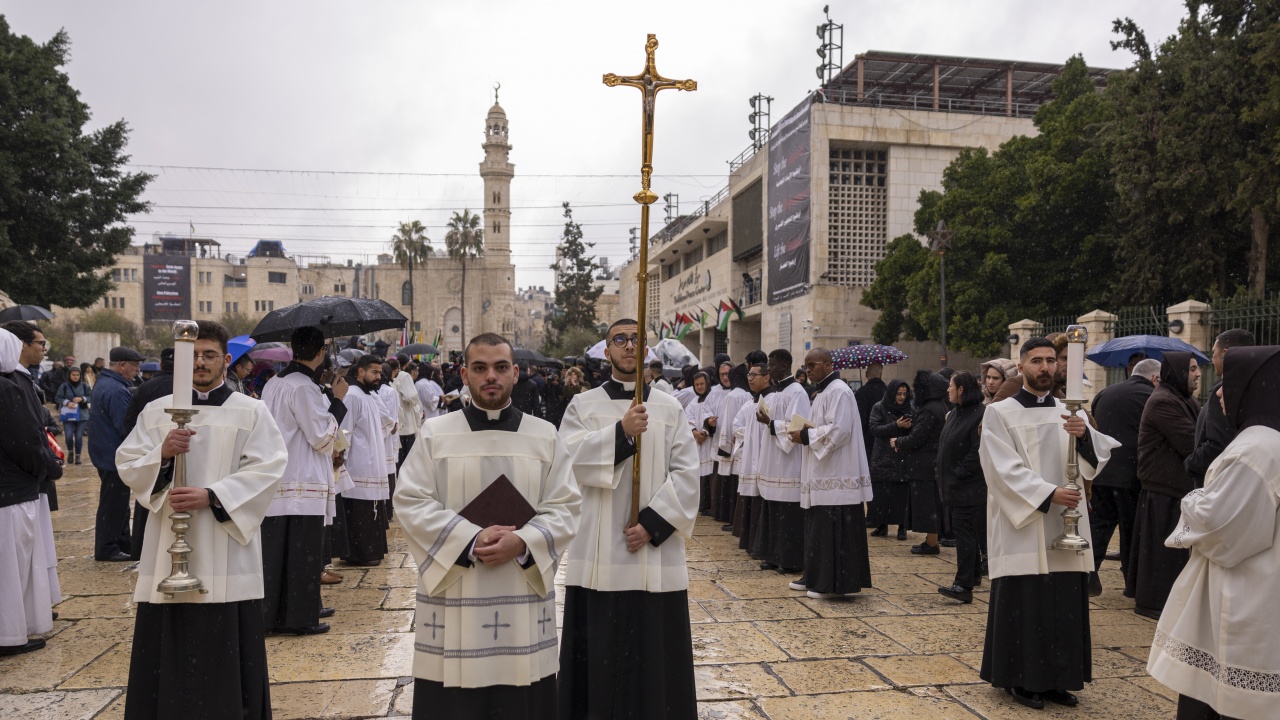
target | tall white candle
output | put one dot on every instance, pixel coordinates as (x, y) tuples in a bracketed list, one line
[(1075, 371), (184, 349)]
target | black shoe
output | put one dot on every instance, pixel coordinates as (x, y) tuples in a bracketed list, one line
[(55, 614), (802, 584), (327, 612), (766, 565), (925, 548), (320, 629), (30, 646), (947, 542), (902, 533), (984, 571), (116, 556), (788, 571), (1112, 556), (955, 592), (1095, 585), (881, 531), (1062, 697), (727, 527), (1032, 700)]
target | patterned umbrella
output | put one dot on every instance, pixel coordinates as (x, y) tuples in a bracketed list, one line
[(860, 356)]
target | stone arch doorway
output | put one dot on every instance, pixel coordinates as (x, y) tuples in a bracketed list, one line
[(452, 330)]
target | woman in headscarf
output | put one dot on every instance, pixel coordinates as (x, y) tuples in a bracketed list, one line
[(1166, 436), (1218, 644), (890, 418), (1000, 379), (963, 485), (919, 451), (697, 412)]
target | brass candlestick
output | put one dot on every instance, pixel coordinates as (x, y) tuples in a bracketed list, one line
[(1071, 539), (180, 580)]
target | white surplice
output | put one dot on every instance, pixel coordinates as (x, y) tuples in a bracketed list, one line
[(239, 454), (429, 394), (835, 469), (752, 436), (409, 409), (724, 439), (1217, 640), (25, 594), (368, 424), (391, 411), (598, 559), (479, 626), (301, 412), (1024, 459), (780, 459)]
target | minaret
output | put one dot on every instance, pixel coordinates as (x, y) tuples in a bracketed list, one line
[(497, 173)]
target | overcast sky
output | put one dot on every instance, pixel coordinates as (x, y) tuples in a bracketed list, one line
[(323, 124)]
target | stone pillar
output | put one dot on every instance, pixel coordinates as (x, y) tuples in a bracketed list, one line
[(1196, 330), (1101, 327), (1024, 330)]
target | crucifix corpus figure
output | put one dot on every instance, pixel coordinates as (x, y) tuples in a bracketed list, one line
[(626, 650)]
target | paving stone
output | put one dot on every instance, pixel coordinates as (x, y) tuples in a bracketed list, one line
[(1101, 698), (902, 584), (111, 669), (1110, 664), (371, 621), (399, 599), (96, 606), (732, 682), (698, 615), (856, 605), (809, 677), (393, 577), (935, 604), (722, 643), (728, 711), (706, 590), (882, 705), (770, 609), (47, 668), (342, 699), (339, 657), (757, 585), (58, 705), (1153, 685), (829, 638), (97, 583), (403, 704), (355, 598), (923, 670), (931, 634)]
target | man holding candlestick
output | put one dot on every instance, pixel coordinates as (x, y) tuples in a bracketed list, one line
[(202, 654), (1037, 643)]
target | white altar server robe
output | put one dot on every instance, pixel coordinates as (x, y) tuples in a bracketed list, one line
[(368, 425), (301, 412), (780, 459), (834, 468)]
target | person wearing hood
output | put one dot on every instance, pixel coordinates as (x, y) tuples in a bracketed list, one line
[(1000, 379), (1166, 436), (685, 393), (727, 446), (697, 413), (1212, 432), (720, 387), (890, 418), (27, 463), (964, 489), (1217, 643), (750, 439), (919, 451)]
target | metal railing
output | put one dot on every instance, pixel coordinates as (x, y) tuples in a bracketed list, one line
[(1260, 317), (873, 98), (234, 282), (750, 152), (673, 228), (1140, 320), (749, 295)]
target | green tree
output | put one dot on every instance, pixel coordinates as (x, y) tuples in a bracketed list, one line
[(1193, 145), (464, 241), (1031, 225), (573, 341), (411, 245), (576, 288), (63, 192)]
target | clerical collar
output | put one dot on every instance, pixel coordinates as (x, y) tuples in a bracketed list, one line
[(369, 389), (216, 396), (1028, 399), (623, 389), (296, 367), (478, 418), (827, 381), (785, 383)]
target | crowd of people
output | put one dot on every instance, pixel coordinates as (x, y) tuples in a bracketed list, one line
[(498, 472)]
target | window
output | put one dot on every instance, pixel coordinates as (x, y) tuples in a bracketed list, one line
[(257, 306), (497, 226), (228, 307), (106, 302), (497, 196), (670, 271), (717, 243), (278, 278), (693, 257), (858, 215), (121, 303), (271, 305), (235, 307), (406, 293), (340, 288), (308, 289)]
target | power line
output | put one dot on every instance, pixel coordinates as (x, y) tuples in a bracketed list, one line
[(399, 174), (383, 209)]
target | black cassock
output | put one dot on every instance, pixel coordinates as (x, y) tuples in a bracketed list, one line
[(199, 661)]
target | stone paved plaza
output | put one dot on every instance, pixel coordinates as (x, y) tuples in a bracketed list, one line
[(900, 651)]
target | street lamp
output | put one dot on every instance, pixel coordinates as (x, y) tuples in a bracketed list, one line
[(940, 242)]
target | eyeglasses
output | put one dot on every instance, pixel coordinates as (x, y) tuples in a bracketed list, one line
[(621, 341), (755, 374), (209, 357), (41, 343)]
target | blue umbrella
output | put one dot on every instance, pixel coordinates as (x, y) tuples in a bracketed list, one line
[(1116, 353), (239, 345)]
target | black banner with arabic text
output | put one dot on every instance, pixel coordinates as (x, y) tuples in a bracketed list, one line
[(166, 287), (787, 240)]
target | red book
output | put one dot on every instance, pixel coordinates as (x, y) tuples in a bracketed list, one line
[(499, 504)]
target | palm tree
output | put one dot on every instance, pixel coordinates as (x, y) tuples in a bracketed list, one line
[(464, 241), (410, 244)]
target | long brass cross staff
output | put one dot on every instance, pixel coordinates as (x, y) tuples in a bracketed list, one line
[(649, 83)]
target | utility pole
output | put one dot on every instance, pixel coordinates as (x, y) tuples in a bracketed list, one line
[(940, 241)]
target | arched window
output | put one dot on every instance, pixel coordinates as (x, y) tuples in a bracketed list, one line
[(497, 226), (406, 293), (497, 197)]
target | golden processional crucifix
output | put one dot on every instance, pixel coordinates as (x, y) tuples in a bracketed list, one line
[(649, 82)]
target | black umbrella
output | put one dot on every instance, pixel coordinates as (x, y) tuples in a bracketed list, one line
[(335, 316), (25, 312), (418, 349)]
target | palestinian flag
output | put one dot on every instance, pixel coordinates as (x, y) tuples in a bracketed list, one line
[(737, 309), (664, 332), (723, 316), (682, 327), (702, 316)]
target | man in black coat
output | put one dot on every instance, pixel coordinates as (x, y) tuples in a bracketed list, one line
[(1212, 432), (871, 392), (525, 395), (1118, 412), (160, 385)]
